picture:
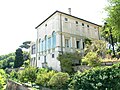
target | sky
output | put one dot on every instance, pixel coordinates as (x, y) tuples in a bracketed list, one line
[(18, 18)]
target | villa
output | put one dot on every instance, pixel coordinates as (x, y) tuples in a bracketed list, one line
[(60, 33)]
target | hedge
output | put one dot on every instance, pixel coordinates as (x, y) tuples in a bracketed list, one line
[(100, 78)]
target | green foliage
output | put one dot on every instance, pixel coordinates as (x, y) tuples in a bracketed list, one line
[(88, 41), (59, 80), (113, 18), (97, 46), (67, 60), (26, 63), (14, 75), (28, 75), (2, 82), (6, 61), (92, 59), (109, 51), (2, 79), (44, 76), (107, 78), (2, 72), (18, 58)]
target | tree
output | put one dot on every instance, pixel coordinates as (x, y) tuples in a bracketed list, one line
[(26, 45), (113, 20), (18, 58), (97, 46)]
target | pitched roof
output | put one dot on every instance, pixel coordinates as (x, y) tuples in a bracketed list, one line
[(67, 15)]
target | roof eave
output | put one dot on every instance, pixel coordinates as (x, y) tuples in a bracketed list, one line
[(68, 15)]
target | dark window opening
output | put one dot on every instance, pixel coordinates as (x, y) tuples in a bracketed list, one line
[(39, 58), (45, 24), (53, 55), (66, 19), (88, 26), (76, 22), (44, 59), (33, 49), (66, 43), (78, 44), (83, 45), (82, 24)]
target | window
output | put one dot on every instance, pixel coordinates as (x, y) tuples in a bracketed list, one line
[(88, 26), (38, 58), (83, 45), (39, 45), (78, 44), (49, 42), (66, 19), (33, 49), (45, 25), (46, 42), (44, 59), (82, 24), (76, 22), (53, 40), (43, 45), (67, 43), (53, 55)]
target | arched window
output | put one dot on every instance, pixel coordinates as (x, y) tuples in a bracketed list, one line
[(45, 42), (39, 44), (53, 40), (49, 43), (42, 45)]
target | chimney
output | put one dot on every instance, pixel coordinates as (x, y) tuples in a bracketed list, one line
[(69, 10)]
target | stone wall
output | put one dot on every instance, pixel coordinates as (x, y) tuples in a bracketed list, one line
[(12, 85)]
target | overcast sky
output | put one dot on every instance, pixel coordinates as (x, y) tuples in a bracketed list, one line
[(18, 18)]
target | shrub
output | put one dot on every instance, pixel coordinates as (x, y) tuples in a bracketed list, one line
[(107, 78), (92, 59), (44, 76), (68, 60), (14, 75), (59, 80), (2, 78), (2, 82), (28, 75)]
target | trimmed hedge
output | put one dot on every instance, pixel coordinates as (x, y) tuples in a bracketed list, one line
[(100, 78)]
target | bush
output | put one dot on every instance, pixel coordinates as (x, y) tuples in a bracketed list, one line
[(44, 76), (107, 78), (28, 75), (92, 59), (59, 80), (14, 75), (2, 79), (68, 60), (2, 82)]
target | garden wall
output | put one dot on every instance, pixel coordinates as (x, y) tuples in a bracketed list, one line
[(11, 85)]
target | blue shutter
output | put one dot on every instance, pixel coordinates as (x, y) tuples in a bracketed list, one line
[(53, 40), (49, 43)]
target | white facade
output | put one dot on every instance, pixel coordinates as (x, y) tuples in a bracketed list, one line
[(61, 32)]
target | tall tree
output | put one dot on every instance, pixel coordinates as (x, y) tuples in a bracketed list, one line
[(113, 19), (18, 58)]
